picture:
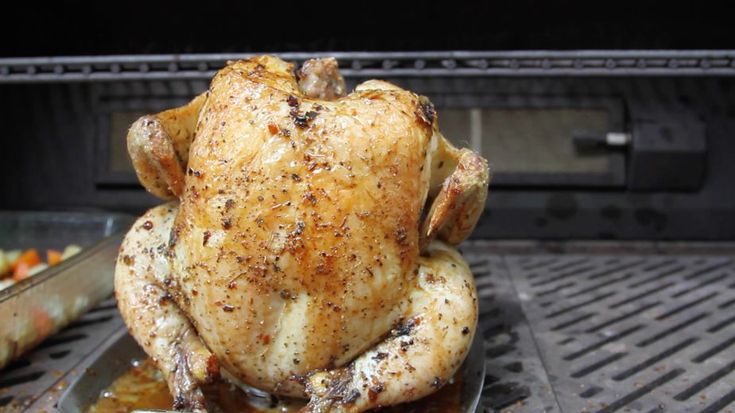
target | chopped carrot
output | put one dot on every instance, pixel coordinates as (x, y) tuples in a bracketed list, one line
[(53, 257), (29, 257), (21, 271)]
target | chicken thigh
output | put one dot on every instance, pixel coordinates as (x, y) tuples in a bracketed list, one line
[(308, 247)]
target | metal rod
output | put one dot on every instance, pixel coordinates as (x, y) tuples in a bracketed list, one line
[(382, 64)]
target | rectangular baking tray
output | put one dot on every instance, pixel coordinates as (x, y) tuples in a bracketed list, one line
[(41, 305)]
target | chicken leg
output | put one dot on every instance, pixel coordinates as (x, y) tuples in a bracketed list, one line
[(420, 355), (156, 322)]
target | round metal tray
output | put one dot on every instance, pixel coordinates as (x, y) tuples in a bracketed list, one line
[(115, 356)]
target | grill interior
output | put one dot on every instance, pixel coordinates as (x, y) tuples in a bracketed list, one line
[(584, 332), (607, 332)]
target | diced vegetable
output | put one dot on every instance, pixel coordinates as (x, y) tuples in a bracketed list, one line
[(17, 265), (70, 251), (12, 256), (53, 257), (29, 257)]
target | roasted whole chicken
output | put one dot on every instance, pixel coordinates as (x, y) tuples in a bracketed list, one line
[(308, 246)]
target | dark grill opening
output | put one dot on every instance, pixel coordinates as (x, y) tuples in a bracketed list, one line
[(5, 400), (25, 378)]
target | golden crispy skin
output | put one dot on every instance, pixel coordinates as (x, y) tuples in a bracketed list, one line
[(298, 222)]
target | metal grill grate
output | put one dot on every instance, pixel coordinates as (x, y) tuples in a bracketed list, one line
[(597, 333), (608, 333)]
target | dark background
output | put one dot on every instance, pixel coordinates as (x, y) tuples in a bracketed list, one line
[(102, 27)]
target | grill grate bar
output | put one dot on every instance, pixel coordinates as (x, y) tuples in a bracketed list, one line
[(722, 324), (637, 394), (556, 289), (615, 269), (721, 403), (644, 294), (714, 350), (708, 269), (658, 276), (568, 264), (597, 286), (597, 365), (564, 275), (702, 384), (622, 317), (673, 329), (655, 359), (573, 321), (727, 303), (577, 306), (579, 353), (699, 286), (686, 306)]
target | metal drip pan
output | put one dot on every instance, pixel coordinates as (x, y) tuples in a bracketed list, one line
[(120, 351)]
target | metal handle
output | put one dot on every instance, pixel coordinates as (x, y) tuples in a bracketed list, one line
[(585, 140)]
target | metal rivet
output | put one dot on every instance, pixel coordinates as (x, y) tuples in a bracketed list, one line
[(641, 63), (58, 69), (419, 64), (389, 64), (31, 70), (4, 70), (449, 63), (514, 64), (356, 65), (86, 69), (144, 67), (115, 68), (705, 64), (546, 64), (673, 64), (579, 64), (610, 64), (202, 67), (173, 67)]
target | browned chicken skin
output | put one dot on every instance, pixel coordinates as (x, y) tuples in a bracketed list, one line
[(295, 258)]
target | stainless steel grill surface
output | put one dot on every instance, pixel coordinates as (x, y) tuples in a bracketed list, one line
[(622, 332), (564, 332)]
